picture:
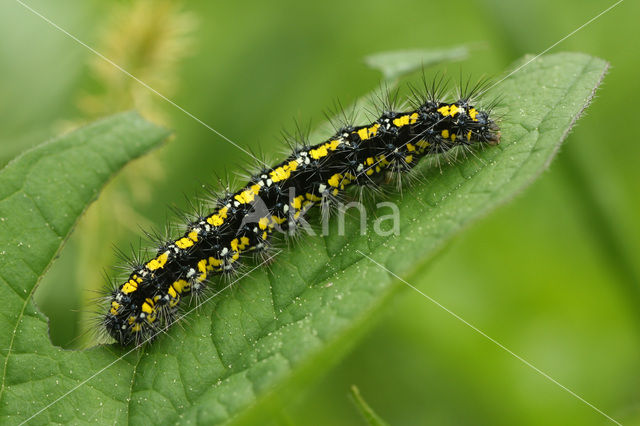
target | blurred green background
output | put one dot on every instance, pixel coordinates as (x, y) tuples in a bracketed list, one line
[(553, 276)]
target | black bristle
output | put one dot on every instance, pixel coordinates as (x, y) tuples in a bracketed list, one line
[(242, 223)]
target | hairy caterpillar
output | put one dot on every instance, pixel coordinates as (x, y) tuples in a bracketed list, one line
[(277, 198)]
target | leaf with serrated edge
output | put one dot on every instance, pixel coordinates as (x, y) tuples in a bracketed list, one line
[(259, 342), (43, 192)]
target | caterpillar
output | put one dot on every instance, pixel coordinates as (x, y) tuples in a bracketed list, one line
[(277, 198)]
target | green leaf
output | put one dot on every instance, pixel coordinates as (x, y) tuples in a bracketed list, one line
[(365, 410), (43, 192), (397, 63), (254, 347)]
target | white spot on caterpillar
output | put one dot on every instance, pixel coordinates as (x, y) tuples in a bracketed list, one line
[(312, 181)]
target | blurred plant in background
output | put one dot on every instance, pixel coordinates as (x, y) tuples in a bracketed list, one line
[(149, 39)]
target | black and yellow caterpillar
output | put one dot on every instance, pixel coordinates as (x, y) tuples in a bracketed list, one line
[(147, 302)]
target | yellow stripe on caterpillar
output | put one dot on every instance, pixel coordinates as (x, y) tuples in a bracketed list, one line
[(158, 262)]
